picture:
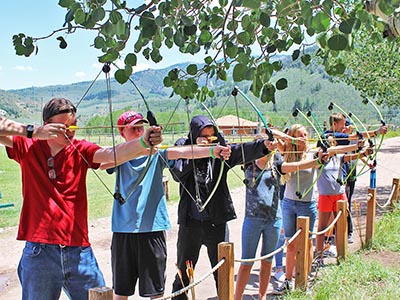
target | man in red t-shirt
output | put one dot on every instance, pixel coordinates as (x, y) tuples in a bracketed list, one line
[(53, 220)]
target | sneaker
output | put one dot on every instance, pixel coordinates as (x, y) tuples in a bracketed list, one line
[(317, 263), (279, 274), (330, 252), (285, 288), (350, 239)]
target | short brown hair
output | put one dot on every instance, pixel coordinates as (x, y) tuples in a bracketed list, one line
[(57, 106), (336, 117)]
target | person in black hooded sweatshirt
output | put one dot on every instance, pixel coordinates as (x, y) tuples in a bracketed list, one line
[(208, 226)]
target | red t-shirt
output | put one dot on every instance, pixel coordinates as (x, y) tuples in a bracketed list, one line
[(54, 211)]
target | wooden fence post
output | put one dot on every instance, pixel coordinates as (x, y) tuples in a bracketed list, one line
[(341, 230), (101, 293), (226, 272), (303, 252), (370, 221), (395, 197)]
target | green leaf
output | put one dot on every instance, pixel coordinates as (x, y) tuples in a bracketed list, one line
[(253, 4), (156, 56), (268, 93), (239, 72), (221, 73), (337, 42), (115, 16), (244, 38), (281, 84), (167, 81), (347, 25), (190, 30), (121, 76), (208, 60), (179, 39), (295, 54), (205, 37), (66, 3), (186, 21), (79, 16), (173, 74), (63, 43), (110, 56), (191, 69), (98, 14), (321, 22), (306, 59), (231, 50), (265, 20), (131, 59), (121, 27)]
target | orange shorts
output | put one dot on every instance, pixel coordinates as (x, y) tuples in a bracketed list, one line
[(327, 203)]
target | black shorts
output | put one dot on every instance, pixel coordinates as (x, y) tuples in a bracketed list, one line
[(140, 256)]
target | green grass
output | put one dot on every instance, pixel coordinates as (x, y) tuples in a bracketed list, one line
[(360, 279)]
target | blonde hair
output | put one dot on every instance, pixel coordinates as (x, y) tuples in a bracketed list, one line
[(292, 153)]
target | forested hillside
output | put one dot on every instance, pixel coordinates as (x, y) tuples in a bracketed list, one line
[(308, 89)]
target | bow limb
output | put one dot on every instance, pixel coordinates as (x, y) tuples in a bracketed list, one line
[(222, 142), (324, 147), (268, 130), (383, 123)]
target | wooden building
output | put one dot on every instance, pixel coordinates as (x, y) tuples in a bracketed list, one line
[(230, 125)]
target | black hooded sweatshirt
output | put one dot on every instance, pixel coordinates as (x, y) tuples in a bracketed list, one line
[(220, 208)]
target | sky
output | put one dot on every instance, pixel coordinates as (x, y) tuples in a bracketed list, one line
[(52, 65)]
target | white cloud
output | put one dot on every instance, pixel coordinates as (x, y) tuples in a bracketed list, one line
[(23, 68), (140, 67), (80, 75)]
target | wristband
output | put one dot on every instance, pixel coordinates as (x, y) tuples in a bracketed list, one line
[(142, 142), (292, 141), (212, 152)]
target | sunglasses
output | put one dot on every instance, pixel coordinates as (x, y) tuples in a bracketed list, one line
[(131, 118), (52, 172)]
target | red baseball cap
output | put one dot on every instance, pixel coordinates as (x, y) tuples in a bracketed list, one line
[(130, 118)]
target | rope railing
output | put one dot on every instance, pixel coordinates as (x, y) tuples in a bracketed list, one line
[(193, 284), (284, 246), (329, 227), (388, 201)]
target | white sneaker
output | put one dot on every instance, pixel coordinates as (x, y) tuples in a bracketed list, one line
[(279, 274), (331, 252)]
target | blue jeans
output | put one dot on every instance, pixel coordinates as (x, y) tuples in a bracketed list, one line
[(291, 209), (46, 269), (279, 255), (253, 230)]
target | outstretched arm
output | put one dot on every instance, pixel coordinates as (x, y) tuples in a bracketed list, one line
[(189, 152), (10, 128), (129, 150), (289, 167)]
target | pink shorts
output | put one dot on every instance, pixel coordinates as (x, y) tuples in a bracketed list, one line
[(327, 203)]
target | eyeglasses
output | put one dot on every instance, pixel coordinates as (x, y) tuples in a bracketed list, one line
[(131, 118), (52, 171)]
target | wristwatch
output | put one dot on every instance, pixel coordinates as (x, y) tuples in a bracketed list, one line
[(29, 131)]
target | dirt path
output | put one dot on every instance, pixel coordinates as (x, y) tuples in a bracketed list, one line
[(100, 235)]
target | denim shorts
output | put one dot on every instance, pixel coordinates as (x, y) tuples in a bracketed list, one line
[(45, 269), (291, 209), (252, 230)]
